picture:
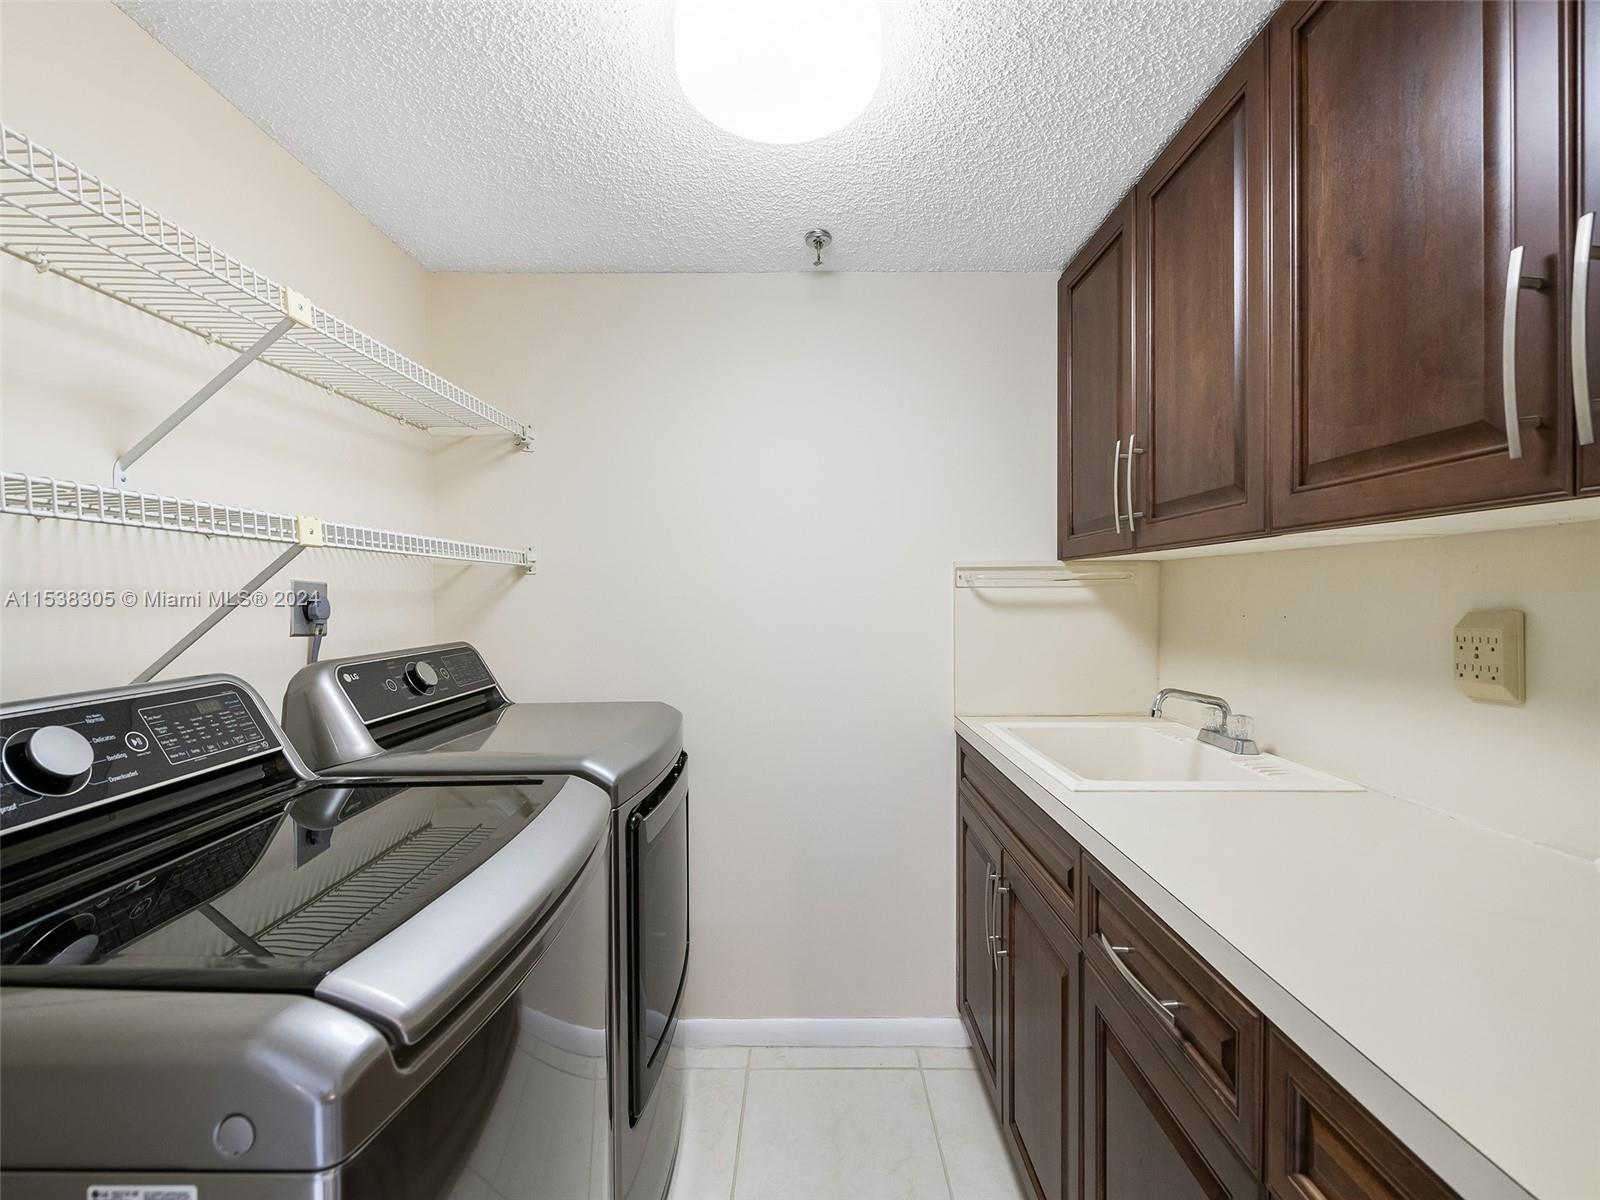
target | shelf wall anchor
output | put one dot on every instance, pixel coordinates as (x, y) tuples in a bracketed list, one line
[(296, 312)]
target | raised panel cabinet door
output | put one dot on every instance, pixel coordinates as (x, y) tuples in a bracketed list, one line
[(1416, 146), (977, 968), (1143, 1134), (1094, 312), (1322, 1145), (1200, 369), (1585, 334), (1039, 1079)]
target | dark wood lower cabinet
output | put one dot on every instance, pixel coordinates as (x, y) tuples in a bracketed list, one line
[(1096, 1097), (1041, 965), (977, 971), (1322, 1145), (1145, 1136)]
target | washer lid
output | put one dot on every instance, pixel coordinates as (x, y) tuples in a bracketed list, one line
[(292, 889)]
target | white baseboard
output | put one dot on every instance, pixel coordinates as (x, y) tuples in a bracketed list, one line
[(821, 1031)]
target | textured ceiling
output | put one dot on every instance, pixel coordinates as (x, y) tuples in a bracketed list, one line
[(551, 135)]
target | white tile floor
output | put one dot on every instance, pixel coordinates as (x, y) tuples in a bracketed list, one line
[(812, 1123)]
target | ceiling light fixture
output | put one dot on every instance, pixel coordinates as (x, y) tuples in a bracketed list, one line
[(780, 71)]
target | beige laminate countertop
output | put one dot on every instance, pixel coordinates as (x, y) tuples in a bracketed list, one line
[(1446, 975)]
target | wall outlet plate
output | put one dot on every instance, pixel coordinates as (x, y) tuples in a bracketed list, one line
[(301, 590), (1489, 656)]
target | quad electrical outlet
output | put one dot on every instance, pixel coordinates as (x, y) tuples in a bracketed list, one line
[(1489, 656)]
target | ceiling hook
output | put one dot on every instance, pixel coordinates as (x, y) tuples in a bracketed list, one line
[(817, 239)]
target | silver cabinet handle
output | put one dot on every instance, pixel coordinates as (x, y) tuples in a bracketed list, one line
[(1116, 496), (1582, 398), (1128, 480), (990, 879), (1508, 355), (1164, 1009), (1515, 280), (1000, 892)]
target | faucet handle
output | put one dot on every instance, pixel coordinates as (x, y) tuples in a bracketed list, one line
[(1241, 727), (1214, 719)]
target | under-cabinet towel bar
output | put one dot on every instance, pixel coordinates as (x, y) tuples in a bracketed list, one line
[(42, 496), (65, 220), (1034, 576)]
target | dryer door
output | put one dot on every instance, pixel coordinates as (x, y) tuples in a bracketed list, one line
[(658, 929)]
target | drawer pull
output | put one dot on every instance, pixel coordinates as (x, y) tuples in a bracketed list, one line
[(1164, 1009)]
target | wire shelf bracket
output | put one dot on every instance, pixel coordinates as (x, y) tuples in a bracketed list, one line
[(64, 220), (43, 497)]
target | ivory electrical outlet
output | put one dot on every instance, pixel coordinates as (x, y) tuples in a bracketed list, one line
[(1489, 656)]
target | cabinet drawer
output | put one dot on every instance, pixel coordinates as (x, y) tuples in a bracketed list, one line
[(1208, 1033), (1050, 850), (1145, 1135), (1322, 1145)]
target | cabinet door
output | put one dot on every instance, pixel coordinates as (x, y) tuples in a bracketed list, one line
[(1200, 370), (1585, 345), (1094, 312), (1392, 245), (1144, 1135), (1039, 1082), (977, 971)]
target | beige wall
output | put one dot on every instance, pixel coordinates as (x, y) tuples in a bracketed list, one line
[(1344, 657), (83, 377), (747, 497)]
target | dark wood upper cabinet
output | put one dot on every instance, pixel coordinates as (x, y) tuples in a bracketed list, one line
[(1201, 332), (1322, 1145), (977, 970), (1586, 243), (1095, 378), (1039, 1109), (1144, 1134), (1414, 146)]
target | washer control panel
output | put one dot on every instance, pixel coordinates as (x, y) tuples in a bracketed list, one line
[(58, 758), (381, 688)]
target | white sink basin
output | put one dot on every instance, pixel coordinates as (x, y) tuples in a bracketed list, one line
[(1138, 755)]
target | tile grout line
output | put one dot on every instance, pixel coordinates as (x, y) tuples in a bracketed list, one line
[(738, 1138), (933, 1119)]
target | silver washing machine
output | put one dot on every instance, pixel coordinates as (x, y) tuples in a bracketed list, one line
[(224, 979), (438, 711)]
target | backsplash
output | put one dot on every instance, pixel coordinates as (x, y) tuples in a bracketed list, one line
[(1343, 655)]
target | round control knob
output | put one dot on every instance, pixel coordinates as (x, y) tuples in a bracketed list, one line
[(421, 678), (52, 760)]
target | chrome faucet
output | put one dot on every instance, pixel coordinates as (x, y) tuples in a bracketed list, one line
[(1226, 732)]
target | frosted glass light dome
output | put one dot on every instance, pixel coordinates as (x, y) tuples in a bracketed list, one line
[(780, 71)]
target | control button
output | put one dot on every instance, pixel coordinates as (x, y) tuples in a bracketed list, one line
[(421, 678), (390, 685), (137, 742), (52, 760), (235, 1134)]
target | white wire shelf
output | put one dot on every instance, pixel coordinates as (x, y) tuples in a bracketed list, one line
[(46, 497), (62, 219)]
